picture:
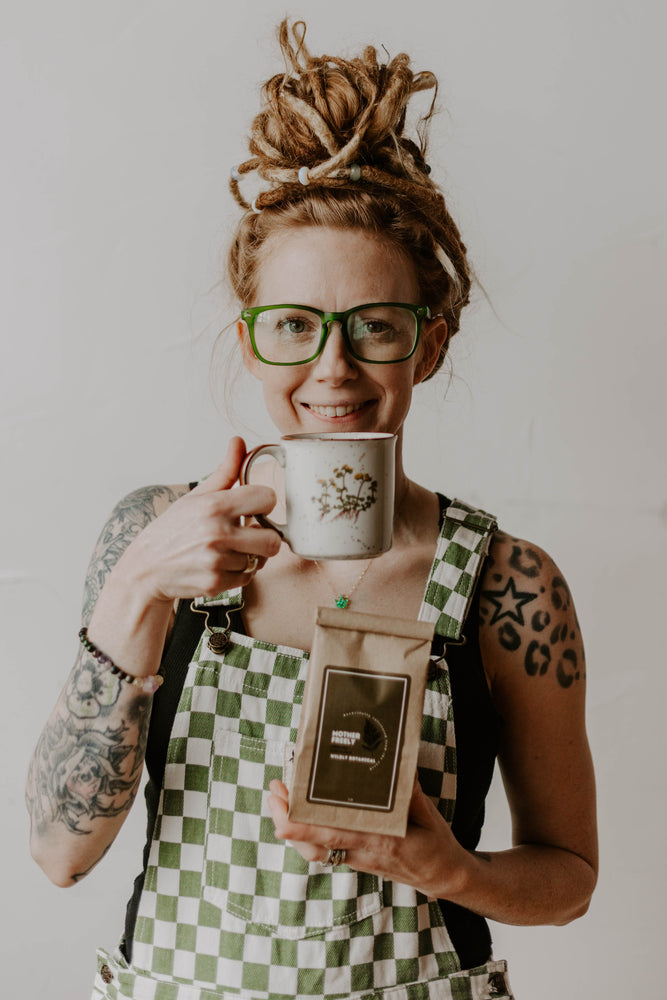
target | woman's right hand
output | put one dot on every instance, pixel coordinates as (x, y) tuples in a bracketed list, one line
[(200, 545)]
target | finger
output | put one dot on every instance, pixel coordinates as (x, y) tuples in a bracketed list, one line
[(249, 500), (242, 543), (304, 833), (422, 812), (249, 562), (279, 789), (311, 848), (278, 809), (226, 474)]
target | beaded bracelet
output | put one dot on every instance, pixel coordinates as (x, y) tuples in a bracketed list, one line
[(148, 685)]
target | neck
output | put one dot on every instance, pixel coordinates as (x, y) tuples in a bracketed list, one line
[(403, 487), (415, 507)]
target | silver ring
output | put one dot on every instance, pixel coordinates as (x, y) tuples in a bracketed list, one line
[(252, 562), (336, 856)]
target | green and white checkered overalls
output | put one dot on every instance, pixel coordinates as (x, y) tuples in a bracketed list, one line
[(229, 911)]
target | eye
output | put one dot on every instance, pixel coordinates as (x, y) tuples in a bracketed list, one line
[(374, 328), (293, 326)]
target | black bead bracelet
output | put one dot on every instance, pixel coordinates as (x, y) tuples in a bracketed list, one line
[(148, 685)]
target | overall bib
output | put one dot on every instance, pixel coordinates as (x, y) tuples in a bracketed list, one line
[(228, 911)]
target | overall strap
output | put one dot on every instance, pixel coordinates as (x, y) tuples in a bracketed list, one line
[(465, 536), (227, 599)]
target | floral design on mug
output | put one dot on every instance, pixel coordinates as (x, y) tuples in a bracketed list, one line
[(346, 497)]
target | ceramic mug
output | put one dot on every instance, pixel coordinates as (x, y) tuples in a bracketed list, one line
[(339, 493)]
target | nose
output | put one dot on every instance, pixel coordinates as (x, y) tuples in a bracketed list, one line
[(334, 364)]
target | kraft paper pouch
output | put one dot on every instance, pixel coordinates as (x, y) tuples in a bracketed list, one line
[(356, 751)]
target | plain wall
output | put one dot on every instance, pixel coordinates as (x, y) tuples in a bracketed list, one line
[(120, 122)]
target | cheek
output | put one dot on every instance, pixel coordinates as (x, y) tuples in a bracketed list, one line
[(406, 378), (278, 386)]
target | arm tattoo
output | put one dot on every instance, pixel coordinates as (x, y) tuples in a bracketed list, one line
[(528, 564), (508, 637), (88, 761), (88, 765), (545, 637), (560, 594), (508, 603), (540, 621), (77, 876), (127, 520)]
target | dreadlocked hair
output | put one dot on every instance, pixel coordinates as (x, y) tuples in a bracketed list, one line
[(330, 149)]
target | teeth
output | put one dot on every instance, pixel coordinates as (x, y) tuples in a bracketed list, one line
[(335, 411)]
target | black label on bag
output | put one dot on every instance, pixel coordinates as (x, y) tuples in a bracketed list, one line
[(359, 738)]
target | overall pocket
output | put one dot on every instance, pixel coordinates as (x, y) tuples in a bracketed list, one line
[(253, 876)]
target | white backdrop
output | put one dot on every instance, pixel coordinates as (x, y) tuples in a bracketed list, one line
[(119, 124)]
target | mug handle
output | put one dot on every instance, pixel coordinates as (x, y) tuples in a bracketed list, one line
[(278, 453)]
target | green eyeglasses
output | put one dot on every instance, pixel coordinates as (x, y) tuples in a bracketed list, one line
[(381, 333)]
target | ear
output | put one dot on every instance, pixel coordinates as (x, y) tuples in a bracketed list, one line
[(433, 339), (252, 363)]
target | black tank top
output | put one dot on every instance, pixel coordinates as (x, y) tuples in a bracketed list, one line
[(477, 732)]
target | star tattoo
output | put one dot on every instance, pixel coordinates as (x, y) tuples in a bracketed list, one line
[(508, 602)]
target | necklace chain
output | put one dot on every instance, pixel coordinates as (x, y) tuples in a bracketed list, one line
[(343, 600)]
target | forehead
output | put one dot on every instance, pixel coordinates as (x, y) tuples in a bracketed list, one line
[(333, 269)]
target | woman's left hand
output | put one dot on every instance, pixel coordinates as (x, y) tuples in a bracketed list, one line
[(428, 858)]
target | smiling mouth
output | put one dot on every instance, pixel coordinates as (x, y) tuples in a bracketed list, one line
[(335, 411)]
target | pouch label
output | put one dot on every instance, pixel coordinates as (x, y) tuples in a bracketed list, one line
[(359, 738)]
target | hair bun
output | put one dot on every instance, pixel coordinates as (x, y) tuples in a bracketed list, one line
[(326, 113)]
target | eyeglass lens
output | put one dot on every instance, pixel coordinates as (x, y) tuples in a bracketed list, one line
[(376, 333)]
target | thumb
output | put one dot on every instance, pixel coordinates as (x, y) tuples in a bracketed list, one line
[(421, 809), (224, 477)]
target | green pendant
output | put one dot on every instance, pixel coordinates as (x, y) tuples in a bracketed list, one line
[(342, 601)]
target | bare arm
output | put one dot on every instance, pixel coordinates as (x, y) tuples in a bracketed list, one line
[(87, 765), (532, 648)]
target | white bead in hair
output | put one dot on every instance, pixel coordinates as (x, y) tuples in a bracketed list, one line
[(254, 206), (304, 177), (234, 174), (447, 265), (355, 172)]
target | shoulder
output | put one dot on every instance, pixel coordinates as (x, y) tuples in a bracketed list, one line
[(130, 516), (528, 624), (147, 502), (136, 510)]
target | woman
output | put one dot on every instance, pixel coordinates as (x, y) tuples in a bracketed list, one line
[(233, 896)]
